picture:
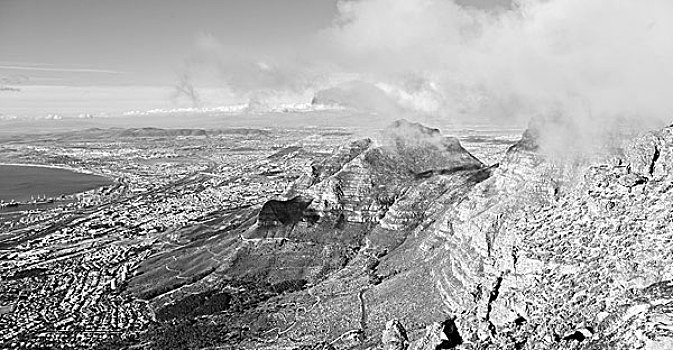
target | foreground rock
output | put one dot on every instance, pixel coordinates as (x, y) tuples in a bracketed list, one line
[(439, 335), (538, 258), (394, 336)]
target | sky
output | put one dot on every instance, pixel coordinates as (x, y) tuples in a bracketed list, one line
[(578, 64), (73, 57), (127, 42), (78, 56)]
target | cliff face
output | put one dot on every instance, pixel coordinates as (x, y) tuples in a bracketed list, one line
[(363, 183), (280, 212)]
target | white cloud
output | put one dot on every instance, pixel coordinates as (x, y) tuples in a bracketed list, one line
[(586, 63)]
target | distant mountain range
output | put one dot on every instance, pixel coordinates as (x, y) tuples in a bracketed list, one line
[(241, 108), (116, 133)]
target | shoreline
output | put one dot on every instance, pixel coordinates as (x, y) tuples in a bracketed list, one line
[(21, 198), (75, 170)]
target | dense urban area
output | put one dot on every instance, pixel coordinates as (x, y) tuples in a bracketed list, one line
[(64, 261)]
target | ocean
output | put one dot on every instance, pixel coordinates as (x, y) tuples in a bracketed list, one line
[(20, 182)]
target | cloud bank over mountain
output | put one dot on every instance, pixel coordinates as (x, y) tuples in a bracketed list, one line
[(586, 64)]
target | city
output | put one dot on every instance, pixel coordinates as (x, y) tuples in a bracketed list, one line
[(65, 262)]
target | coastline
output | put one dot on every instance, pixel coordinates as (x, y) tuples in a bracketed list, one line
[(25, 179), (76, 170)]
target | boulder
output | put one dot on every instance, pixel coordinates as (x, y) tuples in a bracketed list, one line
[(394, 336), (439, 335)]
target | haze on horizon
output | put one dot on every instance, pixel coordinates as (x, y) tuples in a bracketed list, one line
[(586, 64), (71, 57)]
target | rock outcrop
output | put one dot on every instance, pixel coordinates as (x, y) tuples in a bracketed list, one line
[(278, 212), (439, 336), (394, 336)]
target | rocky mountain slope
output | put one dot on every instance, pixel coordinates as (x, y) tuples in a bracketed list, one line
[(562, 262), (414, 243)]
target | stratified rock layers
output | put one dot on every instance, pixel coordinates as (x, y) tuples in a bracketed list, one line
[(538, 259)]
